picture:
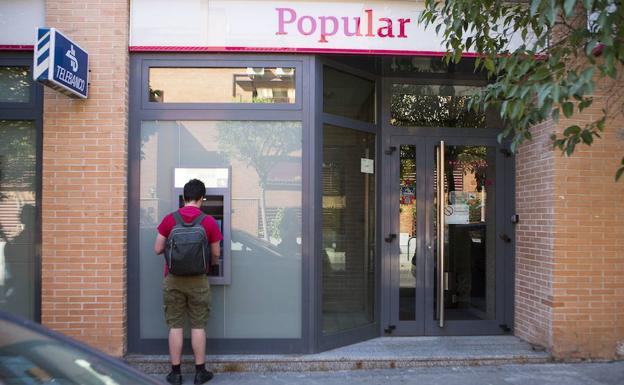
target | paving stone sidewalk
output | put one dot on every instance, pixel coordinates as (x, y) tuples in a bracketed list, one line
[(607, 373)]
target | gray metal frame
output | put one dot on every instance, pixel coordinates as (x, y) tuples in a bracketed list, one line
[(224, 62), (425, 138), (308, 110), (33, 111), (325, 342), (302, 111)]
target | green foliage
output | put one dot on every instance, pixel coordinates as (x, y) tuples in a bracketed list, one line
[(566, 46), (261, 145)]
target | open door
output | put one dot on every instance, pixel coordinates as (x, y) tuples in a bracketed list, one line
[(348, 181)]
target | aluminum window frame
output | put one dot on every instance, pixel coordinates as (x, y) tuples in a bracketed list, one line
[(192, 62), (30, 111), (142, 110)]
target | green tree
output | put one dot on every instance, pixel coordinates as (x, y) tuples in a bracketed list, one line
[(566, 47)]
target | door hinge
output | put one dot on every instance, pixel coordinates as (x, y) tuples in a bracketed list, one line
[(390, 150), (389, 329), (505, 328), (390, 238)]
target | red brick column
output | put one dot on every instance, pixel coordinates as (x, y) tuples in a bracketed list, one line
[(588, 277), (570, 242), (535, 185), (84, 182)]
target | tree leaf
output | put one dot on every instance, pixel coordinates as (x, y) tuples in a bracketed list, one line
[(534, 7), (489, 64), (572, 130), (587, 137), (619, 173), (568, 7), (568, 109)]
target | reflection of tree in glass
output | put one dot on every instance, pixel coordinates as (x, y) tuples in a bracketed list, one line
[(408, 163), (423, 106), (261, 145), (17, 146), (17, 83), (467, 159), (17, 159)]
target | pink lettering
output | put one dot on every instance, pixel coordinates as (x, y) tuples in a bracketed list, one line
[(347, 26), (402, 23), (357, 27), (324, 31), (312, 25), (369, 17), (388, 28), (281, 20)]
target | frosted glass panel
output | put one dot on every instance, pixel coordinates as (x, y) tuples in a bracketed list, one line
[(264, 297), (18, 167)]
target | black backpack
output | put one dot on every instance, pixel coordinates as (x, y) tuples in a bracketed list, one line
[(187, 251)]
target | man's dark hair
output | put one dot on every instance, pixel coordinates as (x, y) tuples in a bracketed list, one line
[(194, 190)]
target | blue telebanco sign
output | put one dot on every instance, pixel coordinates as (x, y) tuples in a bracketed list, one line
[(61, 64)]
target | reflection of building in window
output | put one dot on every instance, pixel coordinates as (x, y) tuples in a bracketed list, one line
[(265, 85), (222, 85)]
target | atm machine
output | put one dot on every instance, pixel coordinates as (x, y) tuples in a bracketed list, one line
[(216, 203)]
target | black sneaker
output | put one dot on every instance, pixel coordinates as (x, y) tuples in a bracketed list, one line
[(174, 378), (203, 376)]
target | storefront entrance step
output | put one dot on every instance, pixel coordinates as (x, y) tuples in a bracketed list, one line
[(378, 353)]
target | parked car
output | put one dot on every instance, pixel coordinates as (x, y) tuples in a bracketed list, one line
[(30, 354)]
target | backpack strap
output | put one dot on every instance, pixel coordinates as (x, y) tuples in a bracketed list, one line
[(178, 219), (180, 222), (198, 219)]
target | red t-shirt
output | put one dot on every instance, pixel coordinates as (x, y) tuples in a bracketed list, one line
[(188, 214)]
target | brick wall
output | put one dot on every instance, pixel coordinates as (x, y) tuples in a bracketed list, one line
[(570, 242), (588, 278), (84, 182), (534, 237)]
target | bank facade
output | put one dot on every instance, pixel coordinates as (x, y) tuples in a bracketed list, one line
[(322, 131)]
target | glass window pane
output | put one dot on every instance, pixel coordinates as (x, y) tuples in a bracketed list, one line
[(14, 85), (470, 238), (424, 65), (222, 85), (408, 242), (348, 228), (434, 106), (348, 95), (264, 297), (18, 167)]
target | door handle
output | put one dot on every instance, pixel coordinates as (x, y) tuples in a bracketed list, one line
[(390, 238), (440, 233)]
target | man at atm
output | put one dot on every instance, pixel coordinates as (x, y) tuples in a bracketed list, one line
[(188, 295)]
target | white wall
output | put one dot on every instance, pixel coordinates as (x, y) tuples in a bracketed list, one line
[(19, 20)]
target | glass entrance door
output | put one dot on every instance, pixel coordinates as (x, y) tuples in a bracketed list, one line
[(348, 179), (446, 265)]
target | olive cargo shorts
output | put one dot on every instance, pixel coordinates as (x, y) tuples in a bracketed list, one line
[(186, 296)]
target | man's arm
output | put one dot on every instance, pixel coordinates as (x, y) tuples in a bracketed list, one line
[(215, 252), (159, 245)]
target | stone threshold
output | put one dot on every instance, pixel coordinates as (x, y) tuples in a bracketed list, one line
[(378, 353)]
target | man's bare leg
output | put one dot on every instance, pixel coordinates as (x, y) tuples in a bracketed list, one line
[(176, 339)]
